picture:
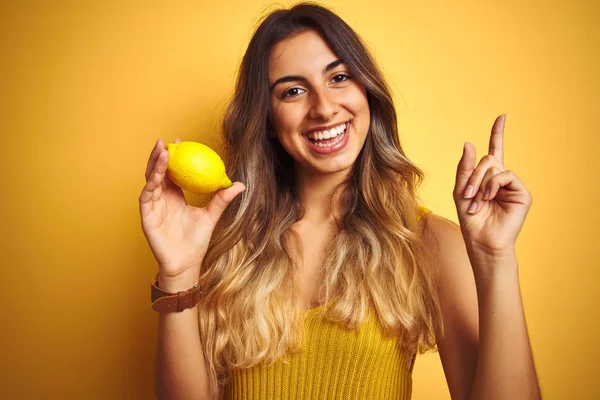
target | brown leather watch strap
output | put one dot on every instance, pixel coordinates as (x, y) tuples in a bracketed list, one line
[(164, 302)]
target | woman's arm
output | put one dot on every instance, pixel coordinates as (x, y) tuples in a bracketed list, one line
[(492, 204), (485, 351), (505, 367), (178, 235), (181, 369)]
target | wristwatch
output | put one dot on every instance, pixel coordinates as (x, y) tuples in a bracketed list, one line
[(165, 302)]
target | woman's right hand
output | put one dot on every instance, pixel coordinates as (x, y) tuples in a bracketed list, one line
[(178, 234)]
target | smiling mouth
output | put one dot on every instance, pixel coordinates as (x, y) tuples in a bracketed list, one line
[(329, 137)]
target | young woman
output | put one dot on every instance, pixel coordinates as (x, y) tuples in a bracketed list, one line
[(321, 274)]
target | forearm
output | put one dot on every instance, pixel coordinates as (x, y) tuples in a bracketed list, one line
[(181, 370), (505, 367)]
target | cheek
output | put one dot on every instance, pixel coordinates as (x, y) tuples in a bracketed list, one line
[(288, 117), (356, 100), (286, 122), (362, 103)]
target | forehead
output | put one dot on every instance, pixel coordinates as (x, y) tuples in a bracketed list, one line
[(303, 54)]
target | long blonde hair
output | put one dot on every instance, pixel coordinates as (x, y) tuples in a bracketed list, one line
[(250, 312)]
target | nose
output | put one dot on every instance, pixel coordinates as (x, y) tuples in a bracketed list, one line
[(324, 106)]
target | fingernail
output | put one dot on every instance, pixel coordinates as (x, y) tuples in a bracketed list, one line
[(486, 195), (469, 192), (473, 207)]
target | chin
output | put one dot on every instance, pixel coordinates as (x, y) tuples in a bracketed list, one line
[(334, 166)]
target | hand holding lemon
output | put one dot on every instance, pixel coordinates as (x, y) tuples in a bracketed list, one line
[(178, 233)]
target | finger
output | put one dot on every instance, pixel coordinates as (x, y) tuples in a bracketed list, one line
[(177, 141), (161, 163), (476, 204), (485, 182), (482, 195), (465, 168), (160, 168), (153, 156), (222, 198), (493, 188), (496, 148), (510, 181), (150, 193), (476, 178)]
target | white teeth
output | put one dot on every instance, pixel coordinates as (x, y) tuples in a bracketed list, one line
[(332, 133)]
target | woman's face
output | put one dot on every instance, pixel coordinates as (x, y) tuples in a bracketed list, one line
[(321, 114)]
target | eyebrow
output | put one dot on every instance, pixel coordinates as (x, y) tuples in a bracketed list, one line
[(294, 78)]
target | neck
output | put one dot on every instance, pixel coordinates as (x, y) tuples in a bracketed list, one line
[(316, 191)]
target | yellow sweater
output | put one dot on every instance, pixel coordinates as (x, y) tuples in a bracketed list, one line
[(334, 363)]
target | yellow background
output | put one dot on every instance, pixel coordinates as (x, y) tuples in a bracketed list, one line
[(87, 87)]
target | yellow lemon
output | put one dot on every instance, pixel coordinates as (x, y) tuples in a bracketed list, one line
[(196, 168)]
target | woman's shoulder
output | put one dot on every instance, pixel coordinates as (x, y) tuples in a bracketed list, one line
[(439, 233), (421, 211), (425, 216)]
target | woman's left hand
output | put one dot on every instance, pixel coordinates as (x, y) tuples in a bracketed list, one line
[(492, 202)]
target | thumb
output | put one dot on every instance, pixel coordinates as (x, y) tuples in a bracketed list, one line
[(221, 200), (465, 169)]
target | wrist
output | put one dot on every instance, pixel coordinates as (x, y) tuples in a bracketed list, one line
[(485, 255), (179, 283), (487, 268), (174, 295)]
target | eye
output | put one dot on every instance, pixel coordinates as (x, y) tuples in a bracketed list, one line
[(291, 92), (341, 78)]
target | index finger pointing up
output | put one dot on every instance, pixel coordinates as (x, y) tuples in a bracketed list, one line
[(497, 139)]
